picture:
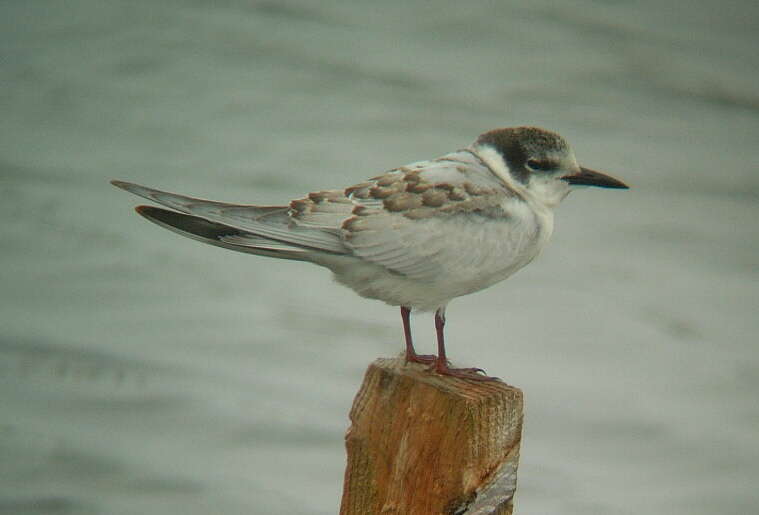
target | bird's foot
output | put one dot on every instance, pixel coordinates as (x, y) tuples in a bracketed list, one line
[(475, 374), (424, 359)]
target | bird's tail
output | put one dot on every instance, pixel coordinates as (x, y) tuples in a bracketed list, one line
[(219, 234), (263, 230)]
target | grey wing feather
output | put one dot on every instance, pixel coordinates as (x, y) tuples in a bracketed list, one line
[(390, 220), (219, 235), (399, 225), (410, 250), (270, 222)]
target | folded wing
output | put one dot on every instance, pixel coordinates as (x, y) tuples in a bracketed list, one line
[(403, 220), (426, 220), (269, 222)]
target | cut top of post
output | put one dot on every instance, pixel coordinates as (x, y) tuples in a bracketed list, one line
[(422, 443)]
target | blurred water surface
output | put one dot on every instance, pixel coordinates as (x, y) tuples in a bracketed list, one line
[(144, 373)]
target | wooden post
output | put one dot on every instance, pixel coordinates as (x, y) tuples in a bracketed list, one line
[(424, 444)]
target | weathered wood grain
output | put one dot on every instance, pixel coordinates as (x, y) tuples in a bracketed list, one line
[(422, 444)]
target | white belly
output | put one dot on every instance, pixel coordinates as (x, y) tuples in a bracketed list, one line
[(471, 253)]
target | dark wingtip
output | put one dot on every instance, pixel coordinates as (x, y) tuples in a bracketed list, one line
[(150, 212), (120, 184), (146, 211), (163, 216)]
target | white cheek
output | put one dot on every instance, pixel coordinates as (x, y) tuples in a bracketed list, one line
[(548, 191)]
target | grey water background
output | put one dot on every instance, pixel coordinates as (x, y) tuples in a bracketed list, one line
[(141, 372)]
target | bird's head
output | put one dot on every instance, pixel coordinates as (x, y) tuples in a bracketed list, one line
[(538, 162)]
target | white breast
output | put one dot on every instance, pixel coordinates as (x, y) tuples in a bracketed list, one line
[(473, 253)]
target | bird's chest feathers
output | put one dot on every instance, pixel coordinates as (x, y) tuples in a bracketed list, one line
[(491, 250), (521, 236)]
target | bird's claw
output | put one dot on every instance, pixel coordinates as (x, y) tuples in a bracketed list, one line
[(475, 374)]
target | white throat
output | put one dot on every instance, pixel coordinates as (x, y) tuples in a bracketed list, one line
[(548, 191)]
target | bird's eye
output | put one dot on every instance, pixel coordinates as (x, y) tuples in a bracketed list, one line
[(534, 164)]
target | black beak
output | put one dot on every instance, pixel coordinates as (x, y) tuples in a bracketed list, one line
[(588, 177)]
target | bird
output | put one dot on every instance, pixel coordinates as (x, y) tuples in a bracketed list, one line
[(414, 237)]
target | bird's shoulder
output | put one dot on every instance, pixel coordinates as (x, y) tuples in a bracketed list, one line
[(456, 183)]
